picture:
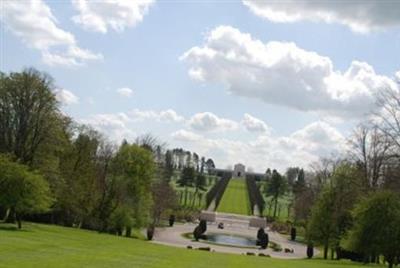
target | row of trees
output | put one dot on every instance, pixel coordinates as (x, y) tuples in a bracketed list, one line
[(180, 159), (55, 170), (350, 203)]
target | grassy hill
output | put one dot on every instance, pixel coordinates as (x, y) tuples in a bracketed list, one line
[(235, 198), (43, 246)]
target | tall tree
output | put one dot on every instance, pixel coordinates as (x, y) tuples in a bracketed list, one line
[(331, 215), (291, 175), (202, 164), (210, 166), (29, 114), (134, 167), (196, 163), (200, 183), (370, 150), (389, 116), (276, 187), (187, 179), (168, 165), (77, 196)]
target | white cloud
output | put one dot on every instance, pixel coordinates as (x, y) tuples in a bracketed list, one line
[(282, 73), (114, 126), (125, 92), (360, 16), (34, 23), (185, 136), (100, 16), (298, 149), (66, 97), (168, 115), (397, 76), (253, 124), (210, 122)]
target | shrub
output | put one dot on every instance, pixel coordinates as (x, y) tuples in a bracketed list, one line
[(293, 233), (310, 250), (197, 233), (203, 226), (150, 233), (171, 220)]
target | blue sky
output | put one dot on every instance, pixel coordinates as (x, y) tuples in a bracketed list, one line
[(270, 85)]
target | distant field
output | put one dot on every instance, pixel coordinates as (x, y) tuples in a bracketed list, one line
[(236, 198), (46, 246)]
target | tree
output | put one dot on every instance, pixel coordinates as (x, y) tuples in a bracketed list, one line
[(29, 114), (164, 199), (200, 183), (187, 179), (202, 164), (331, 215), (388, 117), (370, 150), (168, 165), (134, 169), (275, 187), (292, 174), (210, 166), (321, 227), (377, 226), (23, 191), (77, 195), (196, 163)]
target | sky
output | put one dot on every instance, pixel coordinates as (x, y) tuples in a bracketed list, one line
[(265, 83)]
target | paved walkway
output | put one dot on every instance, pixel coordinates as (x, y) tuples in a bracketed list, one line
[(173, 237)]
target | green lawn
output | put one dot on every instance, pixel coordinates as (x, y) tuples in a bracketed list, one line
[(236, 198), (44, 246), (282, 208)]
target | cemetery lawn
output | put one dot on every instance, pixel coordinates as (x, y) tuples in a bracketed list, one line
[(236, 198), (38, 245)]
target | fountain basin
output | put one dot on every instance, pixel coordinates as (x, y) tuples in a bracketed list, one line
[(231, 240)]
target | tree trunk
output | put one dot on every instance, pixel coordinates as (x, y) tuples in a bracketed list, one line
[(186, 193), (194, 199), (128, 232), (19, 222), (326, 248), (10, 216), (275, 206)]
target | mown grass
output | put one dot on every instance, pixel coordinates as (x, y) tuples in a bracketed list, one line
[(235, 198), (44, 246), (283, 207)]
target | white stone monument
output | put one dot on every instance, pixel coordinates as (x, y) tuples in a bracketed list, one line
[(239, 171)]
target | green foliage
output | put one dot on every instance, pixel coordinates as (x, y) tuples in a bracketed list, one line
[(29, 114), (22, 191), (76, 193), (187, 177), (169, 165), (134, 166), (276, 186), (377, 226), (331, 214)]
